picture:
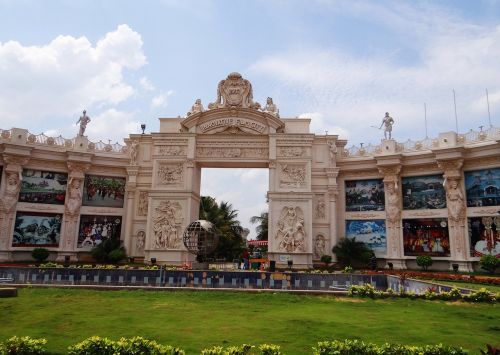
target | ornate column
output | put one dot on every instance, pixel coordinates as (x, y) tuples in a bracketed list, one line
[(76, 175), (130, 192), (457, 220), (333, 191), (9, 194), (393, 214)]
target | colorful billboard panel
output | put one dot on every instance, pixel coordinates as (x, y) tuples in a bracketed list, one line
[(95, 229), (484, 236), (482, 187), (40, 230), (103, 191), (423, 192), (39, 186), (364, 195), (426, 237), (372, 233)]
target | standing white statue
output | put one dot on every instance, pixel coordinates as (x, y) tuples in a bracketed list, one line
[(197, 107), (83, 120), (134, 152), (271, 108), (387, 122)]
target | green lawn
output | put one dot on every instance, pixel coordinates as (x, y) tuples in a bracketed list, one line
[(194, 320)]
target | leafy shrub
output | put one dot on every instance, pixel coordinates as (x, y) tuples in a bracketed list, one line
[(489, 263), (40, 254), (365, 290), (23, 346), (424, 261), (348, 270), (481, 295), (141, 346), (352, 252), (117, 255), (270, 349), (93, 345), (231, 350), (358, 347), (50, 264), (327, 259), (490, 350)]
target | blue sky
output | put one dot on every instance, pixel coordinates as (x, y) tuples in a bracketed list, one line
[(342, 63)]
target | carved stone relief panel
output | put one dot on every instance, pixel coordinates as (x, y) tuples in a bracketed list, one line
[(170, 174), (142, 205), (292, 175), (293, 152), (228, 152), (290, 230), (171, 150), (167, 223)]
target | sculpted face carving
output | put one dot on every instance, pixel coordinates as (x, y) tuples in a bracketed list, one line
[(291, 233)]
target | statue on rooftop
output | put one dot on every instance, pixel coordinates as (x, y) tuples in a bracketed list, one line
[(83, 120), (387, 122)]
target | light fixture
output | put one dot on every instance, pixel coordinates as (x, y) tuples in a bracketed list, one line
[(143, 127)]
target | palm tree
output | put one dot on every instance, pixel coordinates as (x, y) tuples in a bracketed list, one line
[(351, 252), (228, 228), (262, 228)]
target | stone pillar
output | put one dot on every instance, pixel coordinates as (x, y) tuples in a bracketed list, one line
[(9, 194), (457, 220), (393, 206), (69, 232), (130, 206), (333, 191)]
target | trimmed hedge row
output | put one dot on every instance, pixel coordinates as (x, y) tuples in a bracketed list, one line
[(139, 346), (481, 295)]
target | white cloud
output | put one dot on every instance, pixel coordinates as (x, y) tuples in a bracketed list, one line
[(146, 84), (112, 125), (66, 75), (161, 99), (348, 93)]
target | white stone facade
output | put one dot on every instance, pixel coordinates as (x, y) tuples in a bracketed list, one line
[(316, 187)]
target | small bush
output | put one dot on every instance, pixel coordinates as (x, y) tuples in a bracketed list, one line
[(327, 259), (348, 270), (365, 290), (40, 254), (23, 346), (93, 345), (358, 347), (489, 263), (141, 346), (117, 255), (481, 295), (270, 349), (424, 261)]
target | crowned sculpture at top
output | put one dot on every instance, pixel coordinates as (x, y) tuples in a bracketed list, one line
[(236, 92)]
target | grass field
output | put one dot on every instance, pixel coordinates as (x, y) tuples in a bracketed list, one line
[(195, 320)]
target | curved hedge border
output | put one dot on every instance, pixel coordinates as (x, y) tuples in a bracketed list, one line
[(139, 346)]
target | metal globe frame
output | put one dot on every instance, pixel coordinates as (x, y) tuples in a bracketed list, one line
[(200, 239)]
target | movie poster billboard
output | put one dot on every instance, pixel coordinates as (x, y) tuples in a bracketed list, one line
[(423, 192), (484, 236), (40, 230), (95, 229), (482, 187), (372, 233), (39, 186), (364, 195), (426, 237), (103, 191)]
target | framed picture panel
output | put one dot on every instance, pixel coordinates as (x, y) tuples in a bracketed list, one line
[(103, 191), (370, 232), (364, 195), (39, 230), (482, 187), (39, 186), (95, 229), (427, 236), (484, 236), (423, 192)]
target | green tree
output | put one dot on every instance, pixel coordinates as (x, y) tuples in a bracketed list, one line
[(262, 228), (224, 217), (351, 252)]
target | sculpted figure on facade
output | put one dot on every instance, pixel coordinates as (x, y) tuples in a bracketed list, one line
[(320, 247), (142, 206), (234, 91), (332, 150), (393, 204), (134, 152), (10, 191), (166, 225), (196, 108), (291, 234), (387, 122), (140, 241), (83, 120), (169, 174), (74, 199), (320, 209), (455, 200), (271, 108)]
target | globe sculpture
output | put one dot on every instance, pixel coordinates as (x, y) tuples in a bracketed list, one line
[(200, 239)]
